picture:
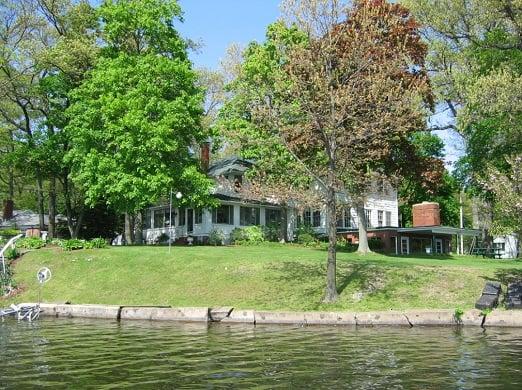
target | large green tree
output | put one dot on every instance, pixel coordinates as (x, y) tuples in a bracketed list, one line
[(46, 47), (475, 55), (133, 120), (427, 179)]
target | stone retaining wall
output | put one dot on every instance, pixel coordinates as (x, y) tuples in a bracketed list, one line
[(230, 315)]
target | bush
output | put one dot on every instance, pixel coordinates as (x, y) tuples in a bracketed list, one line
[(216, 237), (247, 236), (307, 239), (272, 232), (304, 230), (9, 232), (375, 244), (344, 245), (30, 243), (163, 238), (11, 253), (7, 284), (57, 242), (72, 244), (96, 243)]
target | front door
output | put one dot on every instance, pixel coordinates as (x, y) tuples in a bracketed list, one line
[(190, 221), (438, 246), (405, 245)]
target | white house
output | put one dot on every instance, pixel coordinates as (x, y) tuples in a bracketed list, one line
[(234, 211)]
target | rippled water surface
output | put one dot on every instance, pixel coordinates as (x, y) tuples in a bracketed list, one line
[(104, 354)]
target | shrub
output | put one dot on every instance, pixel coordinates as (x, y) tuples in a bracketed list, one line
[(96, 243), (30, 243), (375, 244), (57, 242), (248, 235), (237, 235), (72, 244), (6, 282), (305, 229), (307, 239), (9, 232), (458, 315), (11, 253), (272, 232), (216, 237), (163, 238)]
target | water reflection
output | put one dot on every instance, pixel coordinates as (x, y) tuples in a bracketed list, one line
[(106, 354)]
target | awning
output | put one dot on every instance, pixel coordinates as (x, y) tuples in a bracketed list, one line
[(440, 230)]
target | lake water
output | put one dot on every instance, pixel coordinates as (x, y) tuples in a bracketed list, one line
[(59, 353)]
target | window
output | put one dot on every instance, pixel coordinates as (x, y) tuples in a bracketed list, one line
[(354, 221), (181, 221), (159, 218), (316, 222), (368, 214), (272, 217), (307, 217), (147, 219), (381, 185), (340, 220), (499, 246), (198, 216), (249, 216), (380, 217), (347, 218), (223, 214), (388, 218)]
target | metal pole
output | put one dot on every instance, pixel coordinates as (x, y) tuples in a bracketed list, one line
[(170, 220), (461, 225)]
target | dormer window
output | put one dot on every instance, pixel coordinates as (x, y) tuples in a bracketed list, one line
[(237, 180)]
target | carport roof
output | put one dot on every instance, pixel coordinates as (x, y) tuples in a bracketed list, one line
[(440, 230)]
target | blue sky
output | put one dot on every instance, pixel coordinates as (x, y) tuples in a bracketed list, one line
[(219, 23)]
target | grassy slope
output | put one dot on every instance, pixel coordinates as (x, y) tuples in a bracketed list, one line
[(261, 277)]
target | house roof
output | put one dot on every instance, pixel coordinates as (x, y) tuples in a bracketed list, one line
[(229, 165), (440, 230), (420, 230), (26, 218)]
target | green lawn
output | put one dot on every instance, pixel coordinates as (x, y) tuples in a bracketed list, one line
[(275, 277)]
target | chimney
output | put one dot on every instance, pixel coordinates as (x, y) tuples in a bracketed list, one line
[(426, 214), (205, 155), (8, 209)]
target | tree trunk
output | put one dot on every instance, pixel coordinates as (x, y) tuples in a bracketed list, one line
[(52, 208), (363, 230), (138, 224), (78, 225), (40, 196), (72, 226), (331, 287), (129, 229)]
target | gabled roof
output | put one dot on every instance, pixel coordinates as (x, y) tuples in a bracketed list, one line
[(229, 165), (27, 218)]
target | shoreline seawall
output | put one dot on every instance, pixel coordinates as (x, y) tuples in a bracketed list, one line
[(408, 318)]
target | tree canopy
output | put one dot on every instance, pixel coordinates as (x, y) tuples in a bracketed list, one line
[(133, 120)]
